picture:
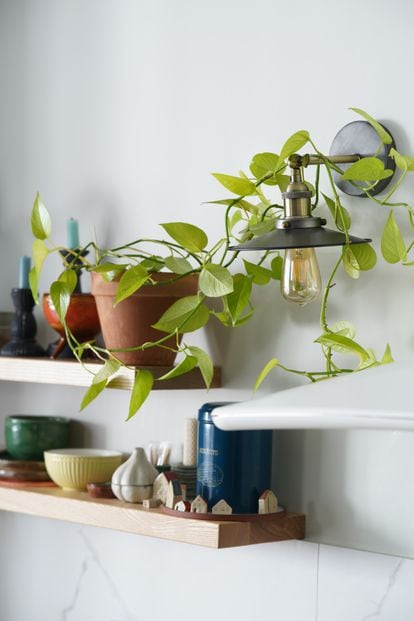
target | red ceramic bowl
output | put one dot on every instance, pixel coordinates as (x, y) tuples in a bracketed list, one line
[(82, 317)]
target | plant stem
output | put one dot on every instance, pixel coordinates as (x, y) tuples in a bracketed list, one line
[(318, 172), (159, 242), (338, 203), (394, 188), (322, 320), (327, 351), (312, 374)]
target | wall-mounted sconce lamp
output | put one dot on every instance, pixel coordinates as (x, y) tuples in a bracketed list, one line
[(299, 232)]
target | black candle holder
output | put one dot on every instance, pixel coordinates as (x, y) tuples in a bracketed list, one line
[(23, 327)]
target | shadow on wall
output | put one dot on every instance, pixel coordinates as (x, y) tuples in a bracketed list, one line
[(245, 349), (276, 330), (304, 481), (92, 434), (299, 477)]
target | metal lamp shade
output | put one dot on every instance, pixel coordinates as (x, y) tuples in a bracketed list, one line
[(298, 238)]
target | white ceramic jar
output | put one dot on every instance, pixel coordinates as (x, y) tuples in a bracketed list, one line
[(132, 481)]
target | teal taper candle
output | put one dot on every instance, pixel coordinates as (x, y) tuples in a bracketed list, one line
[(72, 233), (24, 269)]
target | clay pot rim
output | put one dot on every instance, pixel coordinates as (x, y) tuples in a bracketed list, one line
[(184, 285), (83, 295), (33, 418)]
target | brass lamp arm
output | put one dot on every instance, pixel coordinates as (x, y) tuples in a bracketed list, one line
[(302, 161)]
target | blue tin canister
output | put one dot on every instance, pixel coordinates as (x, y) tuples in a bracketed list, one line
[(232, 465)]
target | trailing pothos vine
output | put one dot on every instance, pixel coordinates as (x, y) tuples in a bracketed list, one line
[(186, 250)]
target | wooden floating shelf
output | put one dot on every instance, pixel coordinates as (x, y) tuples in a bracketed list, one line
[(78, 507), (71, 373)]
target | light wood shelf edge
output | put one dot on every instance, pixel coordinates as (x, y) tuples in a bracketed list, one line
[(78, 507), (71, 373)]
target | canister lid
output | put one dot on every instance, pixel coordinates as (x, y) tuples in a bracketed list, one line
[(204, 413)]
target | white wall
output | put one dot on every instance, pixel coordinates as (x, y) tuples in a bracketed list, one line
[(117, 112)]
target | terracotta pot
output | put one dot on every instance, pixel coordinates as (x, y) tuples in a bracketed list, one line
[(81, 318), (128, 324)]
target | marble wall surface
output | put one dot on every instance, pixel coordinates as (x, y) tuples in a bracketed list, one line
[(54, 571)]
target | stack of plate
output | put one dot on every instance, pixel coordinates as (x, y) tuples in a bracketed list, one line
[(17, 470), (5, 325), (187, 475)]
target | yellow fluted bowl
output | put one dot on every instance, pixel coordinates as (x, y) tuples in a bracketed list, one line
[(73, 469)]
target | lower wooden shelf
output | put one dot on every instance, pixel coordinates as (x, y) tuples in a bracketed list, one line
[(80, 508)]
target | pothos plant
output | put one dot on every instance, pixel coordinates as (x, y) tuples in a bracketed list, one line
[(185, 249)]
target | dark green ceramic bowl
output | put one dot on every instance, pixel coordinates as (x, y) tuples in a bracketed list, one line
[(28, 436)]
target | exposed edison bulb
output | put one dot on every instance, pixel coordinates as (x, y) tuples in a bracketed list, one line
[(301, 279)]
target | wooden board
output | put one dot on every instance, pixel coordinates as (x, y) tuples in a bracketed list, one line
[(227, 517), (71, 373), (107, 513)]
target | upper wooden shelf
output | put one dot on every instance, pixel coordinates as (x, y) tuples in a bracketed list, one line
[(71, 373), (131, 518)]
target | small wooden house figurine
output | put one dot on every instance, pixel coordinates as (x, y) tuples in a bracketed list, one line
[(160, 486), (183, 505), (151, 503), (199, 505), (173, 493), (267, 502), (222, 507)]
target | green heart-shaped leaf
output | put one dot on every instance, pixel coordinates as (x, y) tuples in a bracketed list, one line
[(187, 235), (39, 252), (93, 391), (60, 294), (70, 279), (365, 256), (344, 345), (392, 242), (110, 271), (263, 164), (382, 133), (215, 281), (153, 263), (367, 169), (293, 144), (403, 162), (387, 356), (260, 275), (350, 263), (109, 368), (40, 219), (186, 365), (238, 300), (178, 265), (185, 315), (339, 213), (265, 372), (143, 383), (262, 227), (236, 185), (276, 268), (204, 363), (34, 284), (130, 282), (345, 328)]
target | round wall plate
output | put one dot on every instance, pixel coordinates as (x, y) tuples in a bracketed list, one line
[(359, 137)]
